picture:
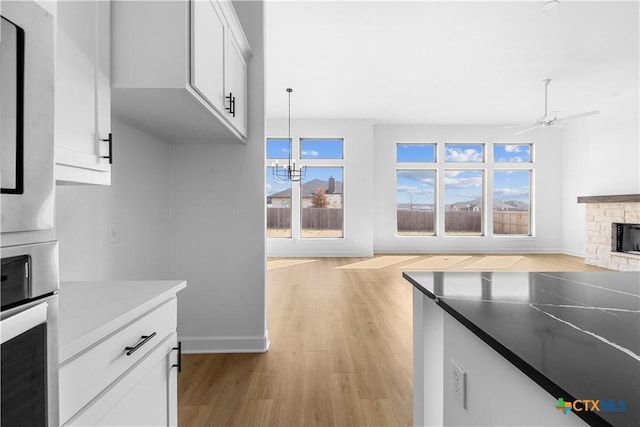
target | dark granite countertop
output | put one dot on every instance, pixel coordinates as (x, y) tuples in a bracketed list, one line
[(577, 335)]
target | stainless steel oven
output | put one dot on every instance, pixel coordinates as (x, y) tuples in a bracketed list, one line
[(29, 287), (28, 331), (26, 117)]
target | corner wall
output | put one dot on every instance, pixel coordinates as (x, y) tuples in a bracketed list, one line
[(138, 200), (600, 156), (218, 224)]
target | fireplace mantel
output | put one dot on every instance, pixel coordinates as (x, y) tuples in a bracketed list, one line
[(619, 198)]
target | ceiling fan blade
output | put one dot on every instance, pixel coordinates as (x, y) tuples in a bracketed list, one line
[(527, 130), (578, 116), (520, 126)]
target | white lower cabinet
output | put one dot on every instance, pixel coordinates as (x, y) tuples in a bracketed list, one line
[(127, 378), (146, 396)]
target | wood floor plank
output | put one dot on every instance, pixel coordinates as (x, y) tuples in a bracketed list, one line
[(345, 401), (316, 395), (378, 412)]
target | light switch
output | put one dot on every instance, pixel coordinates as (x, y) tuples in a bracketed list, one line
[(114, 233)]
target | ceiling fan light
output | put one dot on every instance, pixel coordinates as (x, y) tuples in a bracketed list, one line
[(550, 5)]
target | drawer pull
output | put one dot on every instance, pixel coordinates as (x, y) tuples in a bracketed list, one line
[(179, 365), (110, 156), (144, 338)]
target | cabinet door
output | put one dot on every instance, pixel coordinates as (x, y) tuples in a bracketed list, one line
[(207, 53), (236, 85), (83, 108), (147, 395)]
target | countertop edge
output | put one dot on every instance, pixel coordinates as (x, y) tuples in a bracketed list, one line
[(81, 343), (539, 378)]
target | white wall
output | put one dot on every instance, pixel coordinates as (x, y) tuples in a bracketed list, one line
[(600, 156), (138, 200), (358, 189), (546, 190), (218, 225)]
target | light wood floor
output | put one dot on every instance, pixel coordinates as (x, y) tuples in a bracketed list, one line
[(341, 352)]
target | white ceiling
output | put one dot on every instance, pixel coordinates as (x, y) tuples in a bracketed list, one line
[(447, 62)]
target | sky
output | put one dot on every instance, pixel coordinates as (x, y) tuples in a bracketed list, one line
[(417, 186), (278, 148), (462, 185), (310, 148)]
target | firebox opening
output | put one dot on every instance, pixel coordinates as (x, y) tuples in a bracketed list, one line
[(626, 238)]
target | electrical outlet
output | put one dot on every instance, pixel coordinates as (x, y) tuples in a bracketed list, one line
[(458, 383), (114, 233)]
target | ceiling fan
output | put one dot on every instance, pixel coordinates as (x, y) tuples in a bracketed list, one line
[(549, 118)]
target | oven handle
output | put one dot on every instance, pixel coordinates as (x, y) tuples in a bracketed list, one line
[(21, 322)]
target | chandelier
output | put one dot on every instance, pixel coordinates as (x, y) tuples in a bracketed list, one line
[(289, 172)]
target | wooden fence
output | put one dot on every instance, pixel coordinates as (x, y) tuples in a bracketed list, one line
[(511, 222), (413, 221), (312, 218), (504, 222)]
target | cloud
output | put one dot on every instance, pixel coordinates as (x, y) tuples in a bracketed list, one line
[(422, 177), (414, 190), (512, 148), (502, 193), (269, 187), (462, 155), (312, 153), (462, 182)]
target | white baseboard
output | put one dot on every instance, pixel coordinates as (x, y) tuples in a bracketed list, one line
[(229, 344)]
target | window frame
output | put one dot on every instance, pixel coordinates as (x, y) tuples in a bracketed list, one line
[(488, 167), (296, 199)]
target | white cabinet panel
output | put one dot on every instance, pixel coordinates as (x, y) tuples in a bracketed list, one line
[(82, 101), (236, 85), (146, 396), (207, 53)]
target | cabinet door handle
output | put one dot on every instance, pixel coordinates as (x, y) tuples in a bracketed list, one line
[(179, 364), (232, 104), (110, 141), (144, 338)]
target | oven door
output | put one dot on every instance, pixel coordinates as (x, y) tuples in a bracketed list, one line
[(26, 117), (29, 365)]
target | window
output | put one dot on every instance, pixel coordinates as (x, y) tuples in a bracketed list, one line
[(320, 148), (512, 153), (415, 153), (278, 148), (317, 211), (415, 202), (464, 189), (278, 206), (463, 194), (464, 153), (511, 201), (321, 202)]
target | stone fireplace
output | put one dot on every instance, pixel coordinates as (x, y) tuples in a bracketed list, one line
[(612, 226)]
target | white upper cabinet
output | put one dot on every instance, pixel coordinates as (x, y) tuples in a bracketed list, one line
[(82, 97), (207, 53), (179, 68)]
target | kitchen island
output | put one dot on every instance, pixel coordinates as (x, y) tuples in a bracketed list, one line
[(509, 348)]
